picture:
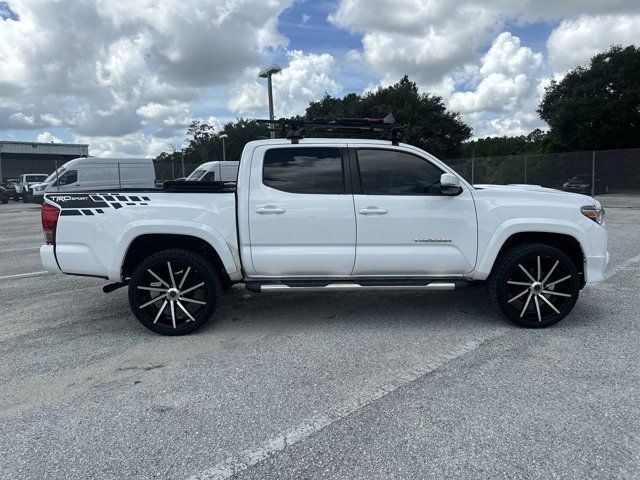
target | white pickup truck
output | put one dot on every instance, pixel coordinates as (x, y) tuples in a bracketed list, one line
[(330, 215)]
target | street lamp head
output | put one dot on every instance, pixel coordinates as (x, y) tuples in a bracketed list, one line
[(270, 70), (224, 135)]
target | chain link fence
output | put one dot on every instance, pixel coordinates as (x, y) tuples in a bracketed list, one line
[(171, 171), (590, 172)]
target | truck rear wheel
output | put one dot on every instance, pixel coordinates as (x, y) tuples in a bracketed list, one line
[(174, 292), (535, 285)]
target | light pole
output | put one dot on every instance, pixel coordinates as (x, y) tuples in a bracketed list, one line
[(223, 136), (182, 152), (268, 73)]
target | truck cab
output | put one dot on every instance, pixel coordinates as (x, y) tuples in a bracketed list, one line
[(24, 184)]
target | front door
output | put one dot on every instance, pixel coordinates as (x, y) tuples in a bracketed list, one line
[(405, 225), (301, 214)]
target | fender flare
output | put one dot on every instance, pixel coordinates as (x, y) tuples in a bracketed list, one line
[(509, 228), (204, 232)]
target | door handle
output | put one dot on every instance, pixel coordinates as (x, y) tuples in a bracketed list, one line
[(270, 209), (373, 211)]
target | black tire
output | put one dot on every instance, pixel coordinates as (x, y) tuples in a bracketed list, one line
[(183, 271), (25, 199), (5, 200), (540, 298)]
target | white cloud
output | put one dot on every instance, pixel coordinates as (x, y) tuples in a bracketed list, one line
[(307, 77), (47, 137), (425, 39), (508, 76), (131, 75), (574, 42), (116, 68), (508, 88), (19, 119)]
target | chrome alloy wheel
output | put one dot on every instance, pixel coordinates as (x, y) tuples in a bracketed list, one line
[(539, 288), (171, 294)]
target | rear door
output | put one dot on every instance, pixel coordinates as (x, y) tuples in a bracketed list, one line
[(301, 213), (406, 226)]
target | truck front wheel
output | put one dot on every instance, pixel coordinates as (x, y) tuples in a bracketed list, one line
[(535, 285), (174, 292)]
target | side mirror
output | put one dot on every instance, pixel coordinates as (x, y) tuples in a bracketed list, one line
[(450, 184)]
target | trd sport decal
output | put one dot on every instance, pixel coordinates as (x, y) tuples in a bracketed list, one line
[(94, 203)]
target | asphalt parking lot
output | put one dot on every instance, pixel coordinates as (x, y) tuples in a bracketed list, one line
[(340, 386)]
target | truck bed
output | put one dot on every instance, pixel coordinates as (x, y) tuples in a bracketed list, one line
[(93, 223)]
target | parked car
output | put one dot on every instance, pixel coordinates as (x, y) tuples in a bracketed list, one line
[(24, 182), (329, 214), (215, 172), (10, 185), (4, 195), (582, 184), (97, 174)]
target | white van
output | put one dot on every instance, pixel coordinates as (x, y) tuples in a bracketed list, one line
[(95, 174), (215, 172)]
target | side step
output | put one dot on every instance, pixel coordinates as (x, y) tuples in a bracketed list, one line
[(360, 286)]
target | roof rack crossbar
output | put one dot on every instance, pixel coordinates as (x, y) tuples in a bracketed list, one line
[(293, 128)]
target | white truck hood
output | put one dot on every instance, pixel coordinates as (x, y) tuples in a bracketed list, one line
[(526, 189)]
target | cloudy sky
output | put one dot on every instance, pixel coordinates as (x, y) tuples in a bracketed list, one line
[(128, 76)]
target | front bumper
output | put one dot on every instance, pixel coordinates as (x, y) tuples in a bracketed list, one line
[(595, 268), (48, 259)]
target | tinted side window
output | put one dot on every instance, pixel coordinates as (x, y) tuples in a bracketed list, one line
[(388, 172), (69, 177), (304, 170)]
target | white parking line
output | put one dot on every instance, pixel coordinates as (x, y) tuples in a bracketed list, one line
[(21, 249), (622, 266), (25, 275), (248, 458)]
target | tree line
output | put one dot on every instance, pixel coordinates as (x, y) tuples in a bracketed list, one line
[(591, 108)]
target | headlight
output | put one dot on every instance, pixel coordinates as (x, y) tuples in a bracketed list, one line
[(594, 213), (40, 188)]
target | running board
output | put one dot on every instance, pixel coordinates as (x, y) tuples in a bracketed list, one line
[(351, 286)]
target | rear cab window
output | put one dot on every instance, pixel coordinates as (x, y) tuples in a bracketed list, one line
[(310, 170)]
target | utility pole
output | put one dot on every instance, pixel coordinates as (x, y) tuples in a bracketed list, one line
[(593, 174), (473, 164), (224, 136), (182, 152), (268, 73)]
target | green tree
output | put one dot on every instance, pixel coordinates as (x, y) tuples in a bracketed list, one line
[(534, 142), (205, 145), (429, 125), (596, 107)]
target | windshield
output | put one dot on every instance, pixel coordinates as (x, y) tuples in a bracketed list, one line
[(196, 174), (35, 178), (581, 178), (52, 177)]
